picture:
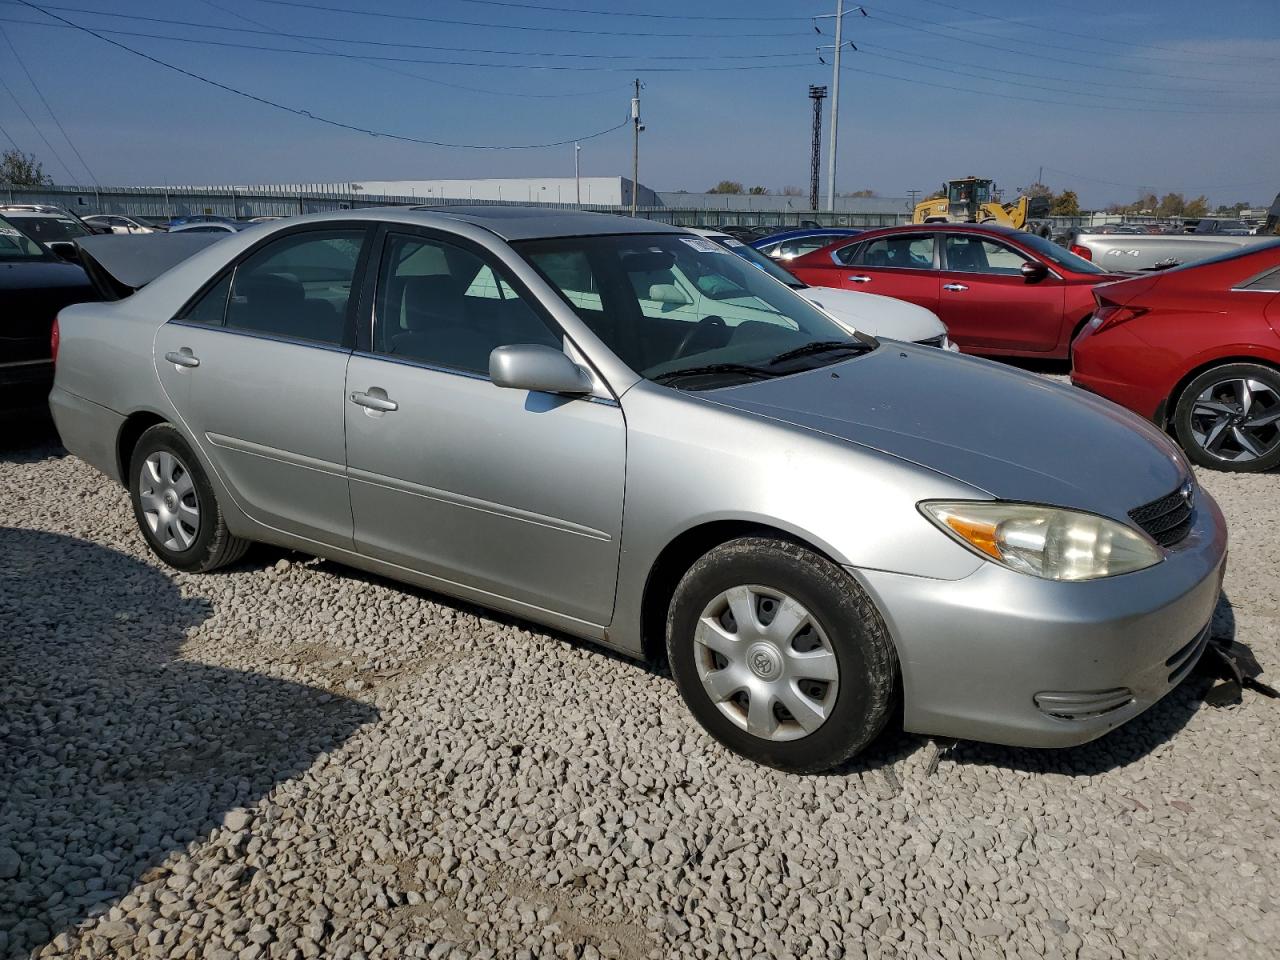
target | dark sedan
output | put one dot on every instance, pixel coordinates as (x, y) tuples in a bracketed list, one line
[(34, 286)]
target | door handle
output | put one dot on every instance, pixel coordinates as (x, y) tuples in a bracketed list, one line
[(373, 402), (859, 278), (957, 287), (182, 358)]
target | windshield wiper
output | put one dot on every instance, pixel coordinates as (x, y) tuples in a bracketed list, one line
[(819, 346), (711, 369)]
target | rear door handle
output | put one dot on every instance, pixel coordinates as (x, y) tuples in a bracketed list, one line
[(183, 357), (381, 404), (957, 287), (859, 278)]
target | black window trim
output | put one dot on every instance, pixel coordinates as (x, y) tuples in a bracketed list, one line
[(1244, 285), (368, 319), (358, 285)]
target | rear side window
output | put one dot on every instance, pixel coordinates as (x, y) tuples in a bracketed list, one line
[(298, 287), (210, 307), (1267, 282)]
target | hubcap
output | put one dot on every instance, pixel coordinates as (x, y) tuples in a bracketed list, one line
[(1237, 420), (169, 503), (766, 663)]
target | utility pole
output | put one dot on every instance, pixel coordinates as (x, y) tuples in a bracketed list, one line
[(837, 50), (912, 194), (577, 172), (817, 95), (636, 127)]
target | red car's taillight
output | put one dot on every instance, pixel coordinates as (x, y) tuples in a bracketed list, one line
[(1083, 252), (54, 338), (1112, 315)]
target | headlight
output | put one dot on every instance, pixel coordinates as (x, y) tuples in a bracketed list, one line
[(1046, 542)]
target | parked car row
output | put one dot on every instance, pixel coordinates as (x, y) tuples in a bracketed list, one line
[(815, 522)]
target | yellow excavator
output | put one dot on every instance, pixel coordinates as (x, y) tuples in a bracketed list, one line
[(971, 200)]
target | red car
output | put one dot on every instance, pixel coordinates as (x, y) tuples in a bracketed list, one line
[(1197, 350), (999, 291)]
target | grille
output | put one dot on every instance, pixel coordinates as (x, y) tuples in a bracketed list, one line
[(1168, 519)]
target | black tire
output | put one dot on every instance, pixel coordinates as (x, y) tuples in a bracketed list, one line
[(865, 656), (212, 545), (1266, 439)]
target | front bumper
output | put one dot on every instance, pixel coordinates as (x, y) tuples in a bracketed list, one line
[(1007, 658)]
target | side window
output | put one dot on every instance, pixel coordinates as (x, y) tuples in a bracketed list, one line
[(903, 252), (211, 306), (975, 255), (1267, 282), (297, 287), (849, 254), (445, 306)]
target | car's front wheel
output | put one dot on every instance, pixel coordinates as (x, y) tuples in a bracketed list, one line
[(175, 506), (780, 655), (1228, 418)]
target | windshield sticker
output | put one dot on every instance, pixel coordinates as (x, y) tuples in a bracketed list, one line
[(730, 242), (703, 245), (9, 232)]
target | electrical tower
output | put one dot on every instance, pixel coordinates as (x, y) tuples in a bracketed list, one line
[(817, 95)]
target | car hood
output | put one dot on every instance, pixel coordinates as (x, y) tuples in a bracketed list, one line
[(1013, 435), (877, 315)]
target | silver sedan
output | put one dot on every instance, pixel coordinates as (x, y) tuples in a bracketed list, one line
[(522, 408)]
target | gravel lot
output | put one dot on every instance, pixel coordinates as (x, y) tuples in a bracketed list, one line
[(292, 759)]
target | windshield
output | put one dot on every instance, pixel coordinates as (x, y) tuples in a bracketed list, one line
[(1059, 255), (16, 245), (49, 228), (667, 304), (758, 259)]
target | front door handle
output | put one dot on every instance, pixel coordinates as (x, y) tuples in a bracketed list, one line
[(182, 358), (957, 287), (859, 278), (374, 402)]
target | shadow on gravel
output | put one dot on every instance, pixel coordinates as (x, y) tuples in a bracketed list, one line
[(114, 753), (1124, 745), (27, 434)]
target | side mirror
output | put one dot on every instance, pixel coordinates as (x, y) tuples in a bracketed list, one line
[(65, 250), (533, 366), (668, 294), (1033, 271)]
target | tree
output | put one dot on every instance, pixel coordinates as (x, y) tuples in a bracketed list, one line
[(1171, 205), (726, 186), (1065, 204), (1198, 207), (758, 191), (22, 170), (792, 192), (1038, 189), (860, 193)]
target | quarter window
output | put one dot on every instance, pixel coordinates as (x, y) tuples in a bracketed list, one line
[(967, 254), (211, 307), (442, 305), (297, 287), (909, 252), (1267, 282)]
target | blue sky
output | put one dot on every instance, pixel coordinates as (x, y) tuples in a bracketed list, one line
[(1110, 98)]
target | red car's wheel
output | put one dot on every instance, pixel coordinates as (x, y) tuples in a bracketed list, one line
[(1228, 418)]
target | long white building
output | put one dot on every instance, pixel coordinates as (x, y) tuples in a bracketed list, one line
[(607, 191)]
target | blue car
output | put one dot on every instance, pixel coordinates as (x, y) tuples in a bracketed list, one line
[(796, 243)]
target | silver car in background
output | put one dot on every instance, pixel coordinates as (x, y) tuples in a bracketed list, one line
[(493, 403), (1140, 252)]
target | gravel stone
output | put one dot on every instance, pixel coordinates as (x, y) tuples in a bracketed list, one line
[(290, 759)]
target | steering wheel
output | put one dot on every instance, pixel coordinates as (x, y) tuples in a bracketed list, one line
[(700, 329)]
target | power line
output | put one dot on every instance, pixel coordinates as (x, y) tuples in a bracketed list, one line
[(509, 26), (314, 116), (386, 68), (627, 13), (802, 59), (1007, 50), (52, 116), (398, 43), (39, 133), (10, 139), (1230, 61), (1059, 103)]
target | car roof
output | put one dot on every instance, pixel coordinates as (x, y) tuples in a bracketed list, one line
[(535, 223)]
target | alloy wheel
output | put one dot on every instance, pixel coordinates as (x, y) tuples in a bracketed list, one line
[(170, 506), (766, 663), (1237, 419)]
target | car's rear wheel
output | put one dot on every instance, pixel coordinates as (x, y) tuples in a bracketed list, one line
[(175, 506), (780, 655), (1228, 418)]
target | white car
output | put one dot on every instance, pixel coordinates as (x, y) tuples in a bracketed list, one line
[(862, 312), (119, 224)]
